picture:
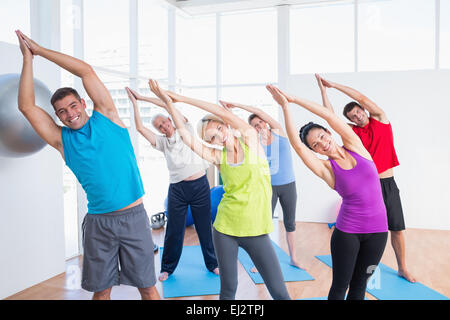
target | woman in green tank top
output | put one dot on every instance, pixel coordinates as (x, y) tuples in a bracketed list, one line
[(244, 215)]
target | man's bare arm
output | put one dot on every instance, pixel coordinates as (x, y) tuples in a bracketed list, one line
[(40, 120), (94, 87)]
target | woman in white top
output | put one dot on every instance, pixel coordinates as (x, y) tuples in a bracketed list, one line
[(188, 186)]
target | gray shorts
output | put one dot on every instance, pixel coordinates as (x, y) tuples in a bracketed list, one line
[(118, 249)]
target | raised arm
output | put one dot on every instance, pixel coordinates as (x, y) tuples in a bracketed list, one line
[(156, 102), (146, 133), (209, 154), (247, 131), (374, 111), (273, 124), (323, 85), (316, 165), (94, 87), (40, 120), (349, 138)]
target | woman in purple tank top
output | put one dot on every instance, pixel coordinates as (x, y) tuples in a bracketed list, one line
[(360, 236)]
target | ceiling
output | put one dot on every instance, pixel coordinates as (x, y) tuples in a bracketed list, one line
[(197, 7)]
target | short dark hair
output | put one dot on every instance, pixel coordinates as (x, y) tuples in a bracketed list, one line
[(251, 117), (61, 93), (349, 107), (304, 131)]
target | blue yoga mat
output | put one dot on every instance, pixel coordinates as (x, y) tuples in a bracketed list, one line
[(190, 278), (290, 273), (385, 284)]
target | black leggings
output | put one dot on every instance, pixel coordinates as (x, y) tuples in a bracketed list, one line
[(354, 257), (261, 251), (287, 194)]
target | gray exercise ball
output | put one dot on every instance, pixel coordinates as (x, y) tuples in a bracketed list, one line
[(17, 136)]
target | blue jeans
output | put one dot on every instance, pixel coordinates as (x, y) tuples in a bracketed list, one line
[(195, 193)]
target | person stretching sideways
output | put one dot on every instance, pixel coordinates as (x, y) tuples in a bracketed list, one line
[(375, 132), (244, 217), (188, 187), (99, 152), (278, 151), (360, 235)]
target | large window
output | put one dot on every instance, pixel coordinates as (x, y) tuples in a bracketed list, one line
[(230, 56), (249, 56), (15, 15), (396, 35), (322, 38), (107, 34), (444, 55), (152, 163), (116, 86), (70, 20), (249, 47), (153, 38), (257, 96), (195, 50)]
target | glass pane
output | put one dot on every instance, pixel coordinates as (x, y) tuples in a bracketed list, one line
[(68, 14), (194, 114), (444, 56), (256, 96), (68, 19), (116, 87), (15, 15), (70, 213), (155, 176), (106, 36), (249, 47), (152, 163), (196, 50), (322, 38), (396, 35), (153, 40)]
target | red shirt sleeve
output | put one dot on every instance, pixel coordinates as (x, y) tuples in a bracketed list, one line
[(378, 139)]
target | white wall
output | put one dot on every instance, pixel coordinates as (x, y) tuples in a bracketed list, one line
[(418, 105), (31, 201)]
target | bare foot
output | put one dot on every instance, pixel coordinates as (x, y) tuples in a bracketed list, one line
[(254, 270), (294, 263), (163, 276), (216, 271), (405, 274)]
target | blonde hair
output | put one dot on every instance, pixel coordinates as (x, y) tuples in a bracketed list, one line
[(201, 125)]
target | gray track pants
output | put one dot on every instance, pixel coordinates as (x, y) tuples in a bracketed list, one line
[(263, 255)]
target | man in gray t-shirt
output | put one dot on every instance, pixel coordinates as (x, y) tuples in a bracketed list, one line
[(188, 187)]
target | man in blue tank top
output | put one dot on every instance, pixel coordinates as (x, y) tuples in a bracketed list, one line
[(98, 150)]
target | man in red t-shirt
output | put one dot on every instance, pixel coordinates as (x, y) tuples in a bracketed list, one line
[(375, 132)]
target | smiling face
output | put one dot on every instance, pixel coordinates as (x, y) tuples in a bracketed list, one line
[(321, 141), (260, 126), (164, 125), (358, 116), (217, 133), (71, 111)]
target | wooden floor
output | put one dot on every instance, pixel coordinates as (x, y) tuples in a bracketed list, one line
[(428, 258)]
